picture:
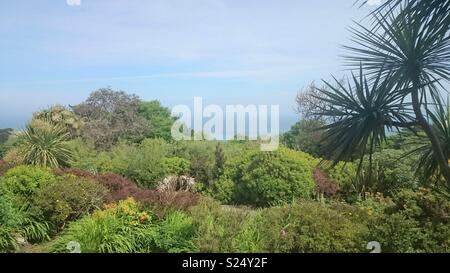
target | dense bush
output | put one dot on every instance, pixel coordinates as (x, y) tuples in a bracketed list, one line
[(7, 241), (391, 172), (222, 229), (264, 178), (201, 157), (175, 166), (129, 228), (310, 227), (414, 221), (122, 228), (84, 156), (67, 200), (175, 234), (23, 181)]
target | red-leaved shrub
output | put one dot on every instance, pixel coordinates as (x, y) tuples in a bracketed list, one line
[(324, 184), (121, 188)]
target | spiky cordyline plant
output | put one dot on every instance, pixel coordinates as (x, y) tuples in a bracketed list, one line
[(362, 112), (409, 45), (45, 146), (428, 166)]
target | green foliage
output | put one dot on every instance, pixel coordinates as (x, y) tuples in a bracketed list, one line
[(146, 166), (84, 156), (117, 160), (67, 200), (16, 221), (175, 166), (409, 47), (310, 227), (306, 136), (201, 156), (345, 174), (24, 181), (263, 178), (160, 119), (391, 172), (300, 227), (129, 228), (221, 230), (415, 221), (428, 165), (7, 241), (44, 145), (122, 228), (360, 112), (175, 234)]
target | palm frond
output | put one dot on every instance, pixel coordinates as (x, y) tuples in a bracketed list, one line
[(363, 113)]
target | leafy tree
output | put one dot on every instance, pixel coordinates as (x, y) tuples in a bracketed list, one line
[(159, 117), (110, 116), (306, 136), (404, 57)]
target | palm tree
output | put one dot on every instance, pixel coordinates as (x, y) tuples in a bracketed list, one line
[(405, 56), (44, 144)]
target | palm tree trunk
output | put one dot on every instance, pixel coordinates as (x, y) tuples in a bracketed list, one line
[(436, 145)]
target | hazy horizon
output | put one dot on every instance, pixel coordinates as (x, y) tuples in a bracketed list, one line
[(226, 51)]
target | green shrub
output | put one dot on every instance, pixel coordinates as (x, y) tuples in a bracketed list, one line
[(117, 160), (310, 227), (392, 172), (67, 200), (218, 228), (146, 167), (344, 173), (248, 239), (265, 178), (175, 166), (7, 241), (121, 228), (414, 221), (175, 234), (23, 181), (201, 157), (83, 155)]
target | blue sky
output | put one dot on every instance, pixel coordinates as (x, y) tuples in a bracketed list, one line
[(227, 51)]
